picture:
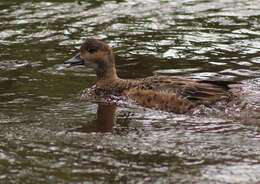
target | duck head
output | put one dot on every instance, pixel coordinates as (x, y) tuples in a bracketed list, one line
[(97, 54)]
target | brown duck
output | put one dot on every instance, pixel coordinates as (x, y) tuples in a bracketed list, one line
[(173, 94)]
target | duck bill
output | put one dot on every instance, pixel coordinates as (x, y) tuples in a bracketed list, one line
[(76, 60)]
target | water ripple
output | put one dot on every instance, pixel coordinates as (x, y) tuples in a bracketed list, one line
[(47, 134)]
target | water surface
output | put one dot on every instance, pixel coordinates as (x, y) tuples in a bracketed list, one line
[(48, 134)]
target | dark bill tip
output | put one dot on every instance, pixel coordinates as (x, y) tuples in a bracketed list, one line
[(76, 60)]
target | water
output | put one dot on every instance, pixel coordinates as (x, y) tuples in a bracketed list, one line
[(47, 134)]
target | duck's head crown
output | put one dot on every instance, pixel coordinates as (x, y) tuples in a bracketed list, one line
[(92, 45)]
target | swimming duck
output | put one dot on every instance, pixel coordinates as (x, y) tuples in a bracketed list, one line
[(172, 94)]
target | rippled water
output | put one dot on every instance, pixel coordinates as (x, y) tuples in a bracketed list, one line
[(47, 134)]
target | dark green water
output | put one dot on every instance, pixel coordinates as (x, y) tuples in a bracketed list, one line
[(48, 136)]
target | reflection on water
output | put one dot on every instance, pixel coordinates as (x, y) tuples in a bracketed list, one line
[(47, 134), (104, 121)]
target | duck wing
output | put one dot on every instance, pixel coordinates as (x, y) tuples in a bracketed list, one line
[(193, 91)]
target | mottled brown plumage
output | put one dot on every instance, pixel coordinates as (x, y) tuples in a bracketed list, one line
[(173, 94)]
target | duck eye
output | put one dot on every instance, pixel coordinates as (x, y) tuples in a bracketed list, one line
[(92, 50)]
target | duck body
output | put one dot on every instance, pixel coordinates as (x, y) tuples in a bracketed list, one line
[(172, 94)]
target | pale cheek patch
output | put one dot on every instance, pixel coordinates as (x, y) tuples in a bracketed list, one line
[(99, 56), (92, 65)]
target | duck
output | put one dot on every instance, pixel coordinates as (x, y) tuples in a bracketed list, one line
[(167, 93)]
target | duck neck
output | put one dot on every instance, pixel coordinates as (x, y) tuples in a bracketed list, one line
[(106, 70)]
